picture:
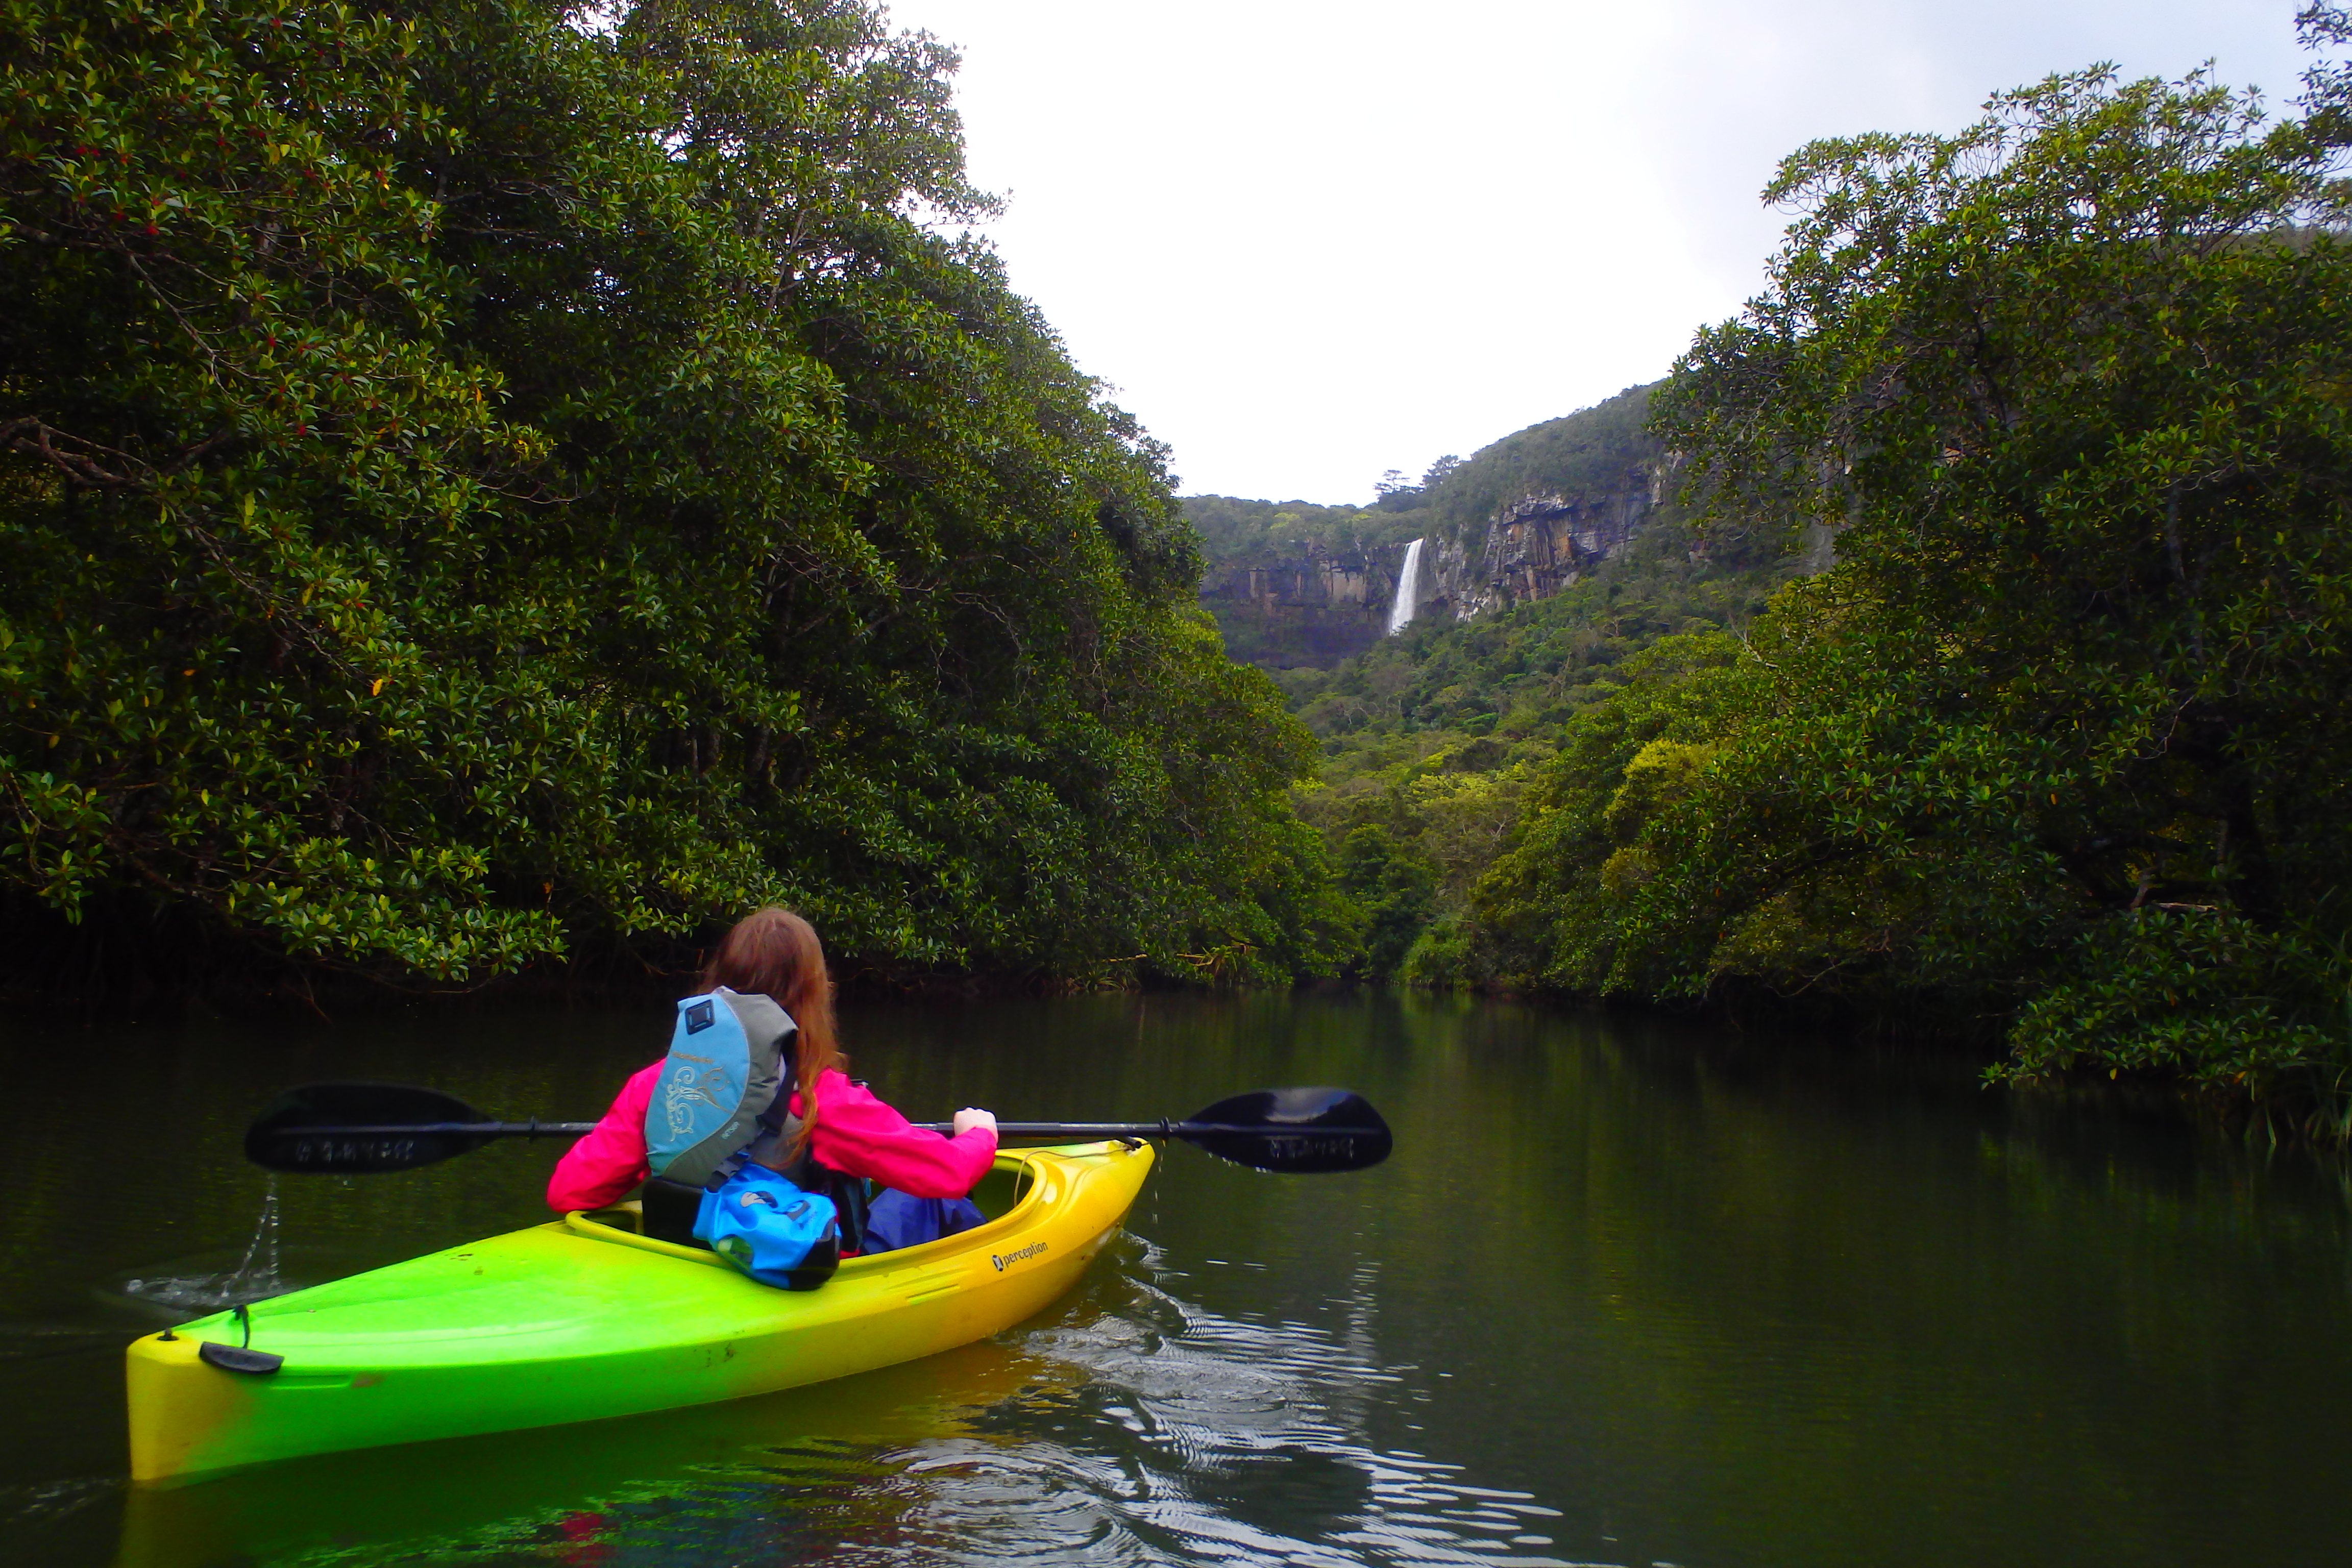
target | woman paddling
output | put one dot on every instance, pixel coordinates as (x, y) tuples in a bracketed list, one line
[(827, 1128)]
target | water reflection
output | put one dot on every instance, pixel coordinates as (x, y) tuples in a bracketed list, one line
[(1626, 1294), (1193, 1436)]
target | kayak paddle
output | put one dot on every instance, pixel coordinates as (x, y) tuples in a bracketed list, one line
[(1292, 1131), (361, 1129)]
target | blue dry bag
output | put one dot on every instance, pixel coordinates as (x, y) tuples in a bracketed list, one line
[(771, 1229)]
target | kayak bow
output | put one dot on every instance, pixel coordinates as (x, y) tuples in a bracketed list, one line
[(580, 1319)]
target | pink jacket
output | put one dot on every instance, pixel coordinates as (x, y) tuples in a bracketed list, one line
[(855, 1134)]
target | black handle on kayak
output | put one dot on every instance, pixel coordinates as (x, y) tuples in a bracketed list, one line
[(361, 1129)]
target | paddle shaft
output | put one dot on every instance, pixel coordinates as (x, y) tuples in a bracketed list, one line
[(469, 1129), (1164, 1129), (365, 1129), (1004, 1129), (1148, 1130)]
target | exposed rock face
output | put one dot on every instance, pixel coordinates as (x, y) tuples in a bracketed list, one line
[(1309, 609), (1315, 609), (1538, 544)]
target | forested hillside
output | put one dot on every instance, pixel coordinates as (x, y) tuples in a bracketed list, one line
[(479, 490), (1588, 451), (1989, 678), (2057, 745), (1431, 739), (1258, 532), (1295, 583)]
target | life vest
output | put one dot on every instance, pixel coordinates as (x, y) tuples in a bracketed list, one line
[(728, 1055), (723, 1093)]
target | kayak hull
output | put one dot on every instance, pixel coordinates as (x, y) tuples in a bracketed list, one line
[(580, 1320)]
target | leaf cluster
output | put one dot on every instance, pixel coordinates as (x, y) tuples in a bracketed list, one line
[(2058, 738), (477, 481)]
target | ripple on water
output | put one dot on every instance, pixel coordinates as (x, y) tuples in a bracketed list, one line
[(1152, 1431), (1176, 1435), (207, 1284), (178, 1289)]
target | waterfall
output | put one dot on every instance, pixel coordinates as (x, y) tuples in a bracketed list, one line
[(1408, 585)]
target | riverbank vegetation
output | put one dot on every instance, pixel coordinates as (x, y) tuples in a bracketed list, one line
[(503, 487), (2054, 749), (2059, 740), (491, 485)]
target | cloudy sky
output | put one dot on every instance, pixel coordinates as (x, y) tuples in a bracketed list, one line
[(1311, 240)]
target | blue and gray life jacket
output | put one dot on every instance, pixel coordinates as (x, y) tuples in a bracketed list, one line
[(723, 1100), (728, 1055)]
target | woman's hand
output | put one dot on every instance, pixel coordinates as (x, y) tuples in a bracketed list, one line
[(969, 1117)]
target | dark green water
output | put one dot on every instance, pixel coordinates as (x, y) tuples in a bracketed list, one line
[(1625, 1295)]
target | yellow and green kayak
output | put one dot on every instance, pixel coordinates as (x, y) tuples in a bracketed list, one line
[(581, 1319)]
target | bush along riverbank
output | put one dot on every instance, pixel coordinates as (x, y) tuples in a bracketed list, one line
[(479, 492)]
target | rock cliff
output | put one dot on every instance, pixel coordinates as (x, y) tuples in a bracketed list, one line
[(1537, 544), (1521, 519), (1310, 608)]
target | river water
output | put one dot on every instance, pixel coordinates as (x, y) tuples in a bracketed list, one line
[(1628, 1293)]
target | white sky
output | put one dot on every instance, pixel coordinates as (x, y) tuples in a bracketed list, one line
[(1310, 240)]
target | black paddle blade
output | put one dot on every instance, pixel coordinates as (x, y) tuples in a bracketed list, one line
[(282, 1139), (1292, 1131)]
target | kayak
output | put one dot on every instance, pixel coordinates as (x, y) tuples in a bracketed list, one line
[(582, 1318)]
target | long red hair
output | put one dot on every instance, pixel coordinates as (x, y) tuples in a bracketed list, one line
[(774, 952)]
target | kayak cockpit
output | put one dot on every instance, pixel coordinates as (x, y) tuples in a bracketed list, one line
[(1012, 1186)]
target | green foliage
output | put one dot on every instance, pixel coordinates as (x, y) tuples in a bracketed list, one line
[(1602, 447), (2061, 731), (470, 484), (1441, 735), (240, 451), (1547, 913), (1393, 886), (2204, 996)]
